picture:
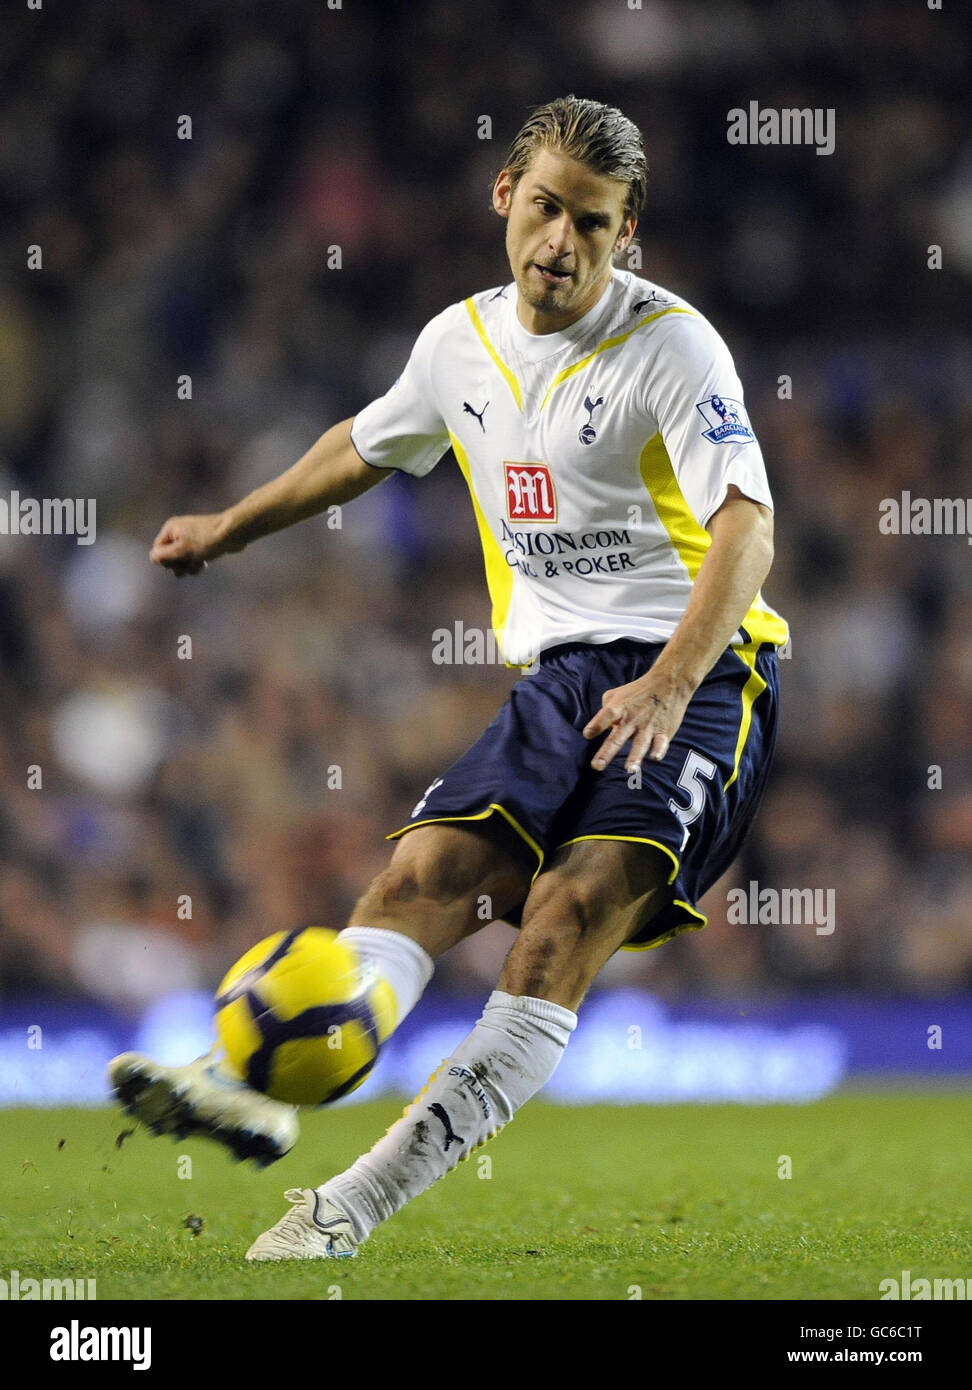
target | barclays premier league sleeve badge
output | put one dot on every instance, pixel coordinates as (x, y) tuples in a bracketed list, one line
[(726, 419)]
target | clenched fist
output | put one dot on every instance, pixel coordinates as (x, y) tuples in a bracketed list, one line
[(186, 543)]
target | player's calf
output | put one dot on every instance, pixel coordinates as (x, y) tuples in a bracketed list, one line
[(510, 1054), (594, 897)]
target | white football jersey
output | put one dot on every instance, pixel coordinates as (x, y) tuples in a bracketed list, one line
[(594, 458)]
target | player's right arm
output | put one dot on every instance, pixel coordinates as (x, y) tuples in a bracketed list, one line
[(330, 473)]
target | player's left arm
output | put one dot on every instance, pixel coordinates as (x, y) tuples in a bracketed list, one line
[(648, 712)]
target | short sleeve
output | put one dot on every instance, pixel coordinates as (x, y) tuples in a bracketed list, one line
[(403, 429), (696, 398)]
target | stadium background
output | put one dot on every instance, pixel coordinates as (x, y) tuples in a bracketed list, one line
[(358, 128)]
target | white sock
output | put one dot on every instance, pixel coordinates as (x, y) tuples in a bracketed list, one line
[(402, 962), (510, 1054)]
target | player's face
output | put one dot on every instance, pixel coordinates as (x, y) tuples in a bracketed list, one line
[(563, 225)]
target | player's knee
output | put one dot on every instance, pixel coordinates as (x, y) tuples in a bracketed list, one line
[(387, 890), (597, 888), (421, 872), (568, 908), (558, 937)]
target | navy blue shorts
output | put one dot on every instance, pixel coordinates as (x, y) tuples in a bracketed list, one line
[(532, 766)]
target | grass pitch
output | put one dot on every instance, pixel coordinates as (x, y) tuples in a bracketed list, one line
[(677, 1202)]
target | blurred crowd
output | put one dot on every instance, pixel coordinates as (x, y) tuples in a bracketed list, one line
[(188, 765)]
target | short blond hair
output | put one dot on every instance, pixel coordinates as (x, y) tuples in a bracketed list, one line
[(599, 136)]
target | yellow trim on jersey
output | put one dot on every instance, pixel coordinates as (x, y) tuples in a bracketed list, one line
[(480, 815), (511, 380), (692, 540), (610, 343), (751, 692), (499, 576)]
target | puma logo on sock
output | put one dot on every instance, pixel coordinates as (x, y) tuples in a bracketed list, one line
[(442, 1114)]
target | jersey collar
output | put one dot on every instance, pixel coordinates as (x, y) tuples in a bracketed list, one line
[(534, 347)]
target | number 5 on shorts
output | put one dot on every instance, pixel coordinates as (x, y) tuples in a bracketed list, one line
[(694, 768)]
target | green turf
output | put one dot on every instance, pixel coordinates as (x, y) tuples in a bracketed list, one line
[(683, 1202)]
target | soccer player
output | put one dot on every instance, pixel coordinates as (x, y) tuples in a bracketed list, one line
[(626, 522)]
